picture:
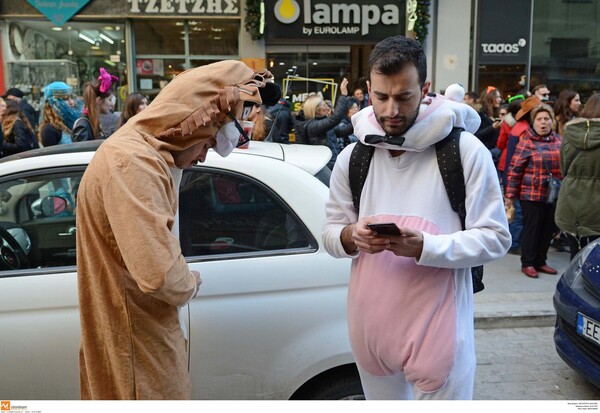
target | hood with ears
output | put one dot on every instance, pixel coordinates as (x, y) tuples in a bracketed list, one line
[(194, 105)]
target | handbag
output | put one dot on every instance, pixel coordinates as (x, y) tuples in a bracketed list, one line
[(553, 182), (553, 189)]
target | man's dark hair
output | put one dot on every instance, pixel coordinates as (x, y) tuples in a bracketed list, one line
[(473, 95), (536, 88), (391, 55)]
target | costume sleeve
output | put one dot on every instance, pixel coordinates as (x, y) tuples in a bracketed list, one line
[(486, 237), (140, 206), (339, 208)]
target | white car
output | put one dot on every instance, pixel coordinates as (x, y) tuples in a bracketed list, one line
[(270, 319)]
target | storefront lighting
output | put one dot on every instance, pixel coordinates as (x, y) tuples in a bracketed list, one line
[(94, 47), (108, 28), (281, 63), (108, 39), (108, 62), (57, 29), (87, 39), (178, 23)]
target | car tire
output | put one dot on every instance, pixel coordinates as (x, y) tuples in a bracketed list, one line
[(341, 385)]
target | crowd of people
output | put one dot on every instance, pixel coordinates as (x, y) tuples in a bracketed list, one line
[(545, 151), (63, 117)]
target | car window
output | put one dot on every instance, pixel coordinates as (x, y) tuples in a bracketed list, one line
[(223, 213), (37, 219)]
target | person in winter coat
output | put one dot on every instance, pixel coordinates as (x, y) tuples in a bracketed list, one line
[(59, 112), (18, 133), (536, 156), (97, 99), (132, 277), (579, 197), (316, 128), (283, 122), (489, 129)]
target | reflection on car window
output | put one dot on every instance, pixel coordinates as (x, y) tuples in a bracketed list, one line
[(226, 213), (37, 220)]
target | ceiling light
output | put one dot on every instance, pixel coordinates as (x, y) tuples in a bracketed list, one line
[(108, 28), (108, 62), (94, 47), (87, 39), (57, 29), (108, 39)]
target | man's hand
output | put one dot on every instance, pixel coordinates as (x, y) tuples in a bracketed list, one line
[(359, 236)]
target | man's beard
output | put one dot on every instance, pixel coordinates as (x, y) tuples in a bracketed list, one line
[(407, 122)]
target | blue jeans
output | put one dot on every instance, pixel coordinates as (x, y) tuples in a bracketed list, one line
[(516, 227)]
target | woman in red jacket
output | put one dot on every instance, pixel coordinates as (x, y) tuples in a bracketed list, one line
[(536, 158)]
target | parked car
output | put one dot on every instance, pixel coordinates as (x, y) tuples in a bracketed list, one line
[(577, 303), (270, 319)]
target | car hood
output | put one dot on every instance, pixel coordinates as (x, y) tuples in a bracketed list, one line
[(311, 158)]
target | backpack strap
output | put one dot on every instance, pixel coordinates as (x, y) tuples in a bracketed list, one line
[(360, 160), (450, 164)]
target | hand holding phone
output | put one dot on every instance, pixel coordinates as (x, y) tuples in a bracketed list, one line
[(385, 228)]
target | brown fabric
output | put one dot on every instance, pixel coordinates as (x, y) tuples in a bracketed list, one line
[(527, 105), (131, 274)]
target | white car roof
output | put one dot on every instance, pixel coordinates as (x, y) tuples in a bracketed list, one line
[(310, 158)]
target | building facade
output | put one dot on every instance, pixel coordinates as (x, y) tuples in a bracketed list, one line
[(310, 45)]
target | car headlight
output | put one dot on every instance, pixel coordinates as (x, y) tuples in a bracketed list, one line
[(586, 262)]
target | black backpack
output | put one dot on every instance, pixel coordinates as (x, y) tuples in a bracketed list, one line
[(448, 157)]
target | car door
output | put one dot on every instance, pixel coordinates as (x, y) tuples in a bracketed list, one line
[(39, 315), (271, 309)]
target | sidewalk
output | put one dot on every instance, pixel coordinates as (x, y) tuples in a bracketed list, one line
[(510, 299)]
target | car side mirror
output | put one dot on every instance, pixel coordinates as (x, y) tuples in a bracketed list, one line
[(53, 205)]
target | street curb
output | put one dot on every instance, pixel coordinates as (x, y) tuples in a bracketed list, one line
[(543, 319)]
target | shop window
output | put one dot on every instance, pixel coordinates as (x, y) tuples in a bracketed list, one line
[(159, 37)]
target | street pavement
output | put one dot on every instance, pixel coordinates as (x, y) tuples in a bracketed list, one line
[(514, 320), (510, 299)]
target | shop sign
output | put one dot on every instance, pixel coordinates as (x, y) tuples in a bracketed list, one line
[(184, 7), (333, 21), (504, 38), (58, 11)]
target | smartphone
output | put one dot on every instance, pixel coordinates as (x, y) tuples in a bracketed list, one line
[(385, 228)]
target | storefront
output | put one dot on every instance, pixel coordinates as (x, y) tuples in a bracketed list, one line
[(523, 43), (312, 45), (144, 43)]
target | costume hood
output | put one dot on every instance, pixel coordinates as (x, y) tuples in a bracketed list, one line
[(194, 105), (437, 116)]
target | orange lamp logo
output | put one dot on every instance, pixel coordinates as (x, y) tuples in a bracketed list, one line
[(5, 405)]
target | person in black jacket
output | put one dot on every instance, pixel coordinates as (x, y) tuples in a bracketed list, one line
[(97, 100), (489, 130), (283, 122), (18, 133), (313, 127), (28, 110)]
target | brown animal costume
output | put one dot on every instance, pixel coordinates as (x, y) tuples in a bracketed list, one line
[(131, 274)]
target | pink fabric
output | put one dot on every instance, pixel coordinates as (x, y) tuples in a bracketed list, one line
[(400, 312)]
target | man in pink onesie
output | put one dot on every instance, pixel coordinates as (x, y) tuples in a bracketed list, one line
[(410, 298)]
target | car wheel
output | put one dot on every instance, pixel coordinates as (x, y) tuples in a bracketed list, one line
[(340, 385)]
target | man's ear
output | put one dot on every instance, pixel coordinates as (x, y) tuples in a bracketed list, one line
[(426, 88)]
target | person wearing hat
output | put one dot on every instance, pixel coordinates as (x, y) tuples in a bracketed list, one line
[(17, 95), (132, 277), (59, 112), (516, 133)]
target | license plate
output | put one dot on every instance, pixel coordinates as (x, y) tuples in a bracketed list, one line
[(588, 328)]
